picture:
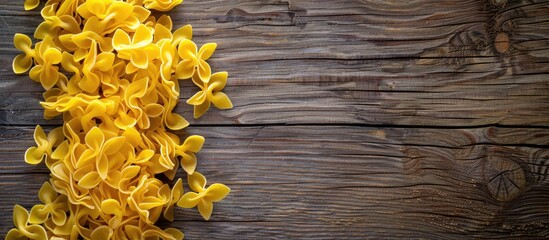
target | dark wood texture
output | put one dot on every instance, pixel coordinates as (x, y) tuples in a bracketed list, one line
[(353, 119)]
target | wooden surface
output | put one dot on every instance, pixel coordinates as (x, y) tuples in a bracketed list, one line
[(353, 119)]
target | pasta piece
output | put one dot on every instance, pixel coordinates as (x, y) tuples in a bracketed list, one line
[(98, 153), (101, 233), (31, 4), (54, 24), (187, 151), (22, 62), (22, 228), (175, 195), (193, 60), (47, 57), (55, 205), (35, 155), (94, 67), (64, 231), (203, 197), (148, 198), (138, 48), (173, 120), (117, 101), (210, 92), (161, 5), (168, 59)]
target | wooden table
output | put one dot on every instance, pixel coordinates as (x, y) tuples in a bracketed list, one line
[(353, 119)]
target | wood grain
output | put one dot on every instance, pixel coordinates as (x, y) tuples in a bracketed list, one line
[(348, 181), (353, 119), (423, 63)]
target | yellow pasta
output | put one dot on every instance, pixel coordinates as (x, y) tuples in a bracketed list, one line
[(187, 151), (138, 49), (193, 60), (203, 197), (22, 227), (110, 70), (35, 155), (31, 4), (162, 5), (52, 24), (45, 59), (210, 93), (22, 62), (55, 205)]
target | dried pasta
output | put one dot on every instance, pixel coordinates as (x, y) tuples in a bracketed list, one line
[(110, 69)]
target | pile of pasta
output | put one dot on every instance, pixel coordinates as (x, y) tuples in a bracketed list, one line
[(110, 69)]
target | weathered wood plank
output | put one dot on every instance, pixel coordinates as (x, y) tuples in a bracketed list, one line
[(423, 63), (407, 64), (327, 182)]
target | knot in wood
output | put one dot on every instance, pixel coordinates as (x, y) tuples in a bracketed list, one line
[(504, 177), (501, 42)]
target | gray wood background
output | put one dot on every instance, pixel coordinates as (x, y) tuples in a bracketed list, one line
[(353, 119)]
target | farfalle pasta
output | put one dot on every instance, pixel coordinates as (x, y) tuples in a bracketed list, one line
[(203, 197), (194, 61), (54, 206), (210, 93), (110, 70), (23, 62)]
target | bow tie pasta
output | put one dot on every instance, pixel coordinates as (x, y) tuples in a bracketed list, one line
[(111, 70)]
